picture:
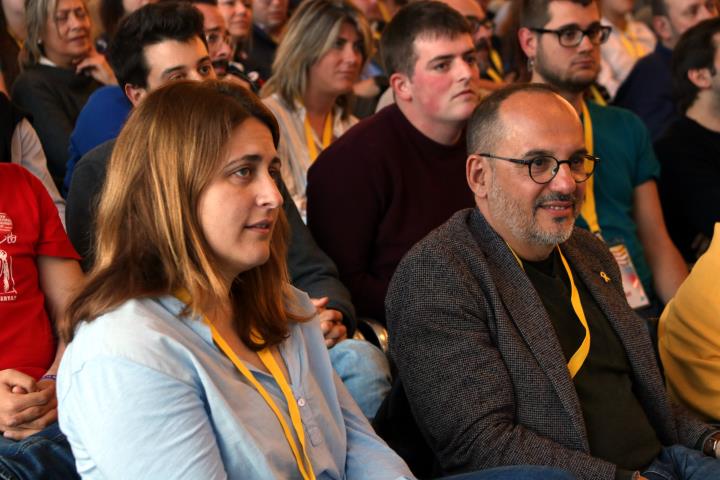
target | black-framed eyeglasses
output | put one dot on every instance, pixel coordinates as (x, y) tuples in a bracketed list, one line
[(543, 168), (476, 23), (572, 36)]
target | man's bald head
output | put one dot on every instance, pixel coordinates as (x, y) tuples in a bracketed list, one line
[(486, 128)]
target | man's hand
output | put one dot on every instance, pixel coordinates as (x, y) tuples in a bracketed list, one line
[(26, 406), (330, 322)]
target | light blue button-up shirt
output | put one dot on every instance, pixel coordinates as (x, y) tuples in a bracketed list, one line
[(145, 394)]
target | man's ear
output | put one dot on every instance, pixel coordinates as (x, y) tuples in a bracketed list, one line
[(477, 171), (134, 93), (401, 84), (700, 77), (528, 41)]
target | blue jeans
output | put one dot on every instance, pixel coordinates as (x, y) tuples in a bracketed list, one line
[(364, 370), (520, 472), (43, 456), (681, 463)]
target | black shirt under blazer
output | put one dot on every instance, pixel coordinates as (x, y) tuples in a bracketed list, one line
[(484, 373)]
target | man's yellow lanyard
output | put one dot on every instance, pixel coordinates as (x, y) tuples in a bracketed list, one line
[(589, 211), (497, 62), (630, 43), (579, 357), (303, 463), (326, 137), (597, 96)]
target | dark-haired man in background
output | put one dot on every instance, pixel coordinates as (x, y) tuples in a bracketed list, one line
[(647, 91), (398, 174), (689, 152)]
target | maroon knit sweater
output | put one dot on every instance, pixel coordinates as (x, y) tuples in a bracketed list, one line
[(377, 191)]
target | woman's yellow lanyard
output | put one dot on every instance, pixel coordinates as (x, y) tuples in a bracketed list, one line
[(579, 357), (268, 360), (631, 45), (588, 211), (326, 138)]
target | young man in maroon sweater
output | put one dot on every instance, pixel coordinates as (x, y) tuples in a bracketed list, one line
[(391, 179)]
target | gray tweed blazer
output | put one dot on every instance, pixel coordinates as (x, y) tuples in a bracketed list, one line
[(484, 373)]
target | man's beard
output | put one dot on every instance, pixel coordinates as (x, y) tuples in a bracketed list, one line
[(570, 85), (504, 206)]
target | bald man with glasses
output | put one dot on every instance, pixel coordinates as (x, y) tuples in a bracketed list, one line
[(509, 327)]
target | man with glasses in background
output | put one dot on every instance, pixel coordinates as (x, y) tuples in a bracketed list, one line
[(509, 327), (562, 41)]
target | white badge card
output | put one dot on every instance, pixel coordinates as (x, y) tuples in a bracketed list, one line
[(633, 287)]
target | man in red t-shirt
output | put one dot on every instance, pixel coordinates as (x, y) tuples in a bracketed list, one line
[(38, 270)]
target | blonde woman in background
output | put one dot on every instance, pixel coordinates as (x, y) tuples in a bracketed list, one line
[(317, 63)]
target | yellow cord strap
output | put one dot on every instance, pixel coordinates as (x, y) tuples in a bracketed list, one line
[(597, 96), (326, 138), (497, 62), (266, 357), (631, 45), (588, 210), (495, 76), (305, 467), (579, 357)]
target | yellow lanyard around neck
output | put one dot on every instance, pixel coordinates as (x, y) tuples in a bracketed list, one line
[(497, 62), (495, 76), (326, 137), (589, 211), (630, 43), (597, 96), (305, 467), (579, 357)]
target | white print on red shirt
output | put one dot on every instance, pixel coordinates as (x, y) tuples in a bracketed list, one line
[(7, 282)]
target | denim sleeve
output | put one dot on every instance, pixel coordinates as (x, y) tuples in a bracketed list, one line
[(126, 420), (368, 456)]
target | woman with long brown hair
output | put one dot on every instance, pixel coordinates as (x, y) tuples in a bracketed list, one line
[(191, 356)]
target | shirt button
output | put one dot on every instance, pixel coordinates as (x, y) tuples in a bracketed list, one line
[(301, 402)]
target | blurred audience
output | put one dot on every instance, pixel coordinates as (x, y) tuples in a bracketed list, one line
[(629, 41), (13, 31), (689, 150), (318, 62), (269, 19), (647, 91), (162, 44), (62, 69)]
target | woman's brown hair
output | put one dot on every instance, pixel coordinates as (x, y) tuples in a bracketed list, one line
[(148, 238)]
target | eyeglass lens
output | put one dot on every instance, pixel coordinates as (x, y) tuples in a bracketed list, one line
[(544, 168)]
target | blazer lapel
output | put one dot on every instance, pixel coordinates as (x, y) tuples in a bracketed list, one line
[(525, 309)]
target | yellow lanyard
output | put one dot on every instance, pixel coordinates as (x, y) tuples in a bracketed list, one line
[(384, 11), (597, 96), (589, 211), (490, 72), (579, 357), (326, 138), (631, 44), (305, 467), (497, 62)]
